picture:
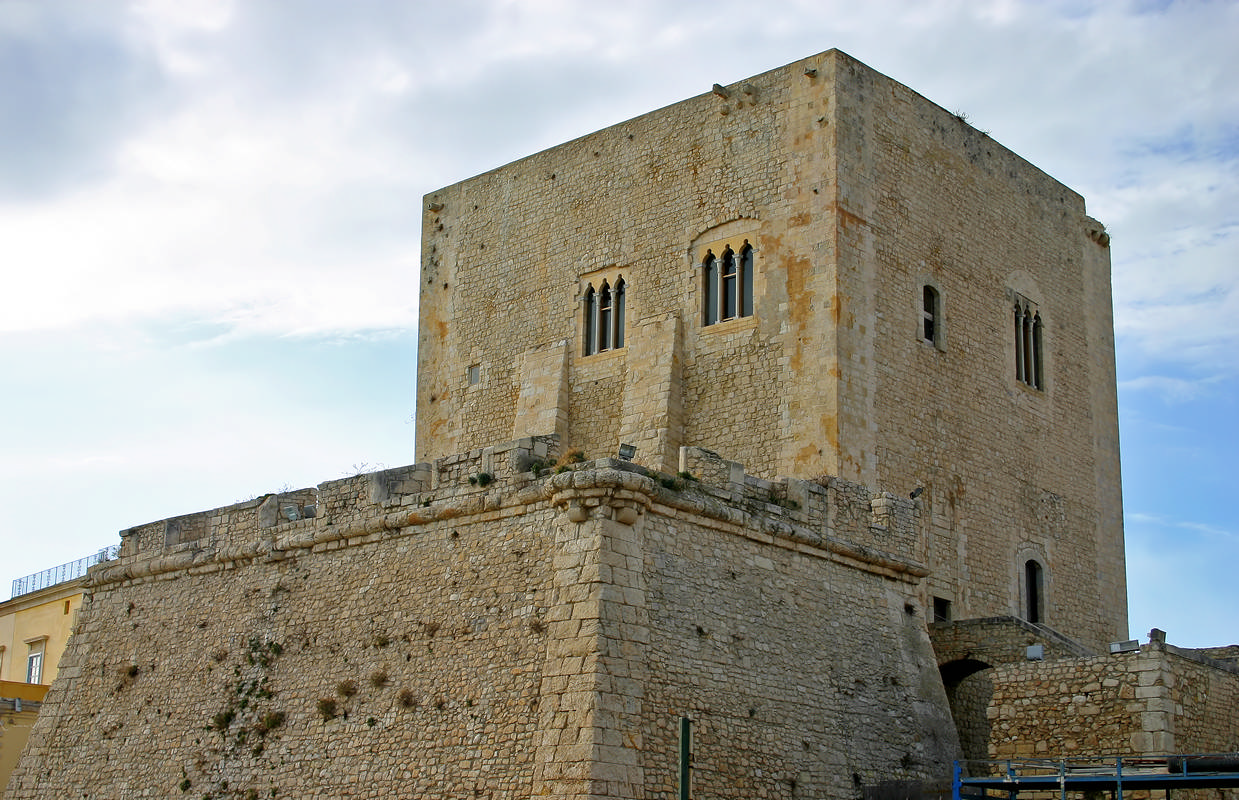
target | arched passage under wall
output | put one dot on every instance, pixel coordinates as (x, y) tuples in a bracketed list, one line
[(968, 690)]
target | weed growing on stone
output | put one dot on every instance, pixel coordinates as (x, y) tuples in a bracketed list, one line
[(128, 674), (222, 720), (269, 722)]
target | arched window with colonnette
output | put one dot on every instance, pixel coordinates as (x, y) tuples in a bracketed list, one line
[(727, 285), (604, 317)]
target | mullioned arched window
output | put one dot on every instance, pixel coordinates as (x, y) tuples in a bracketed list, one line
[(1029, 356), (604, 313), (727, 285)]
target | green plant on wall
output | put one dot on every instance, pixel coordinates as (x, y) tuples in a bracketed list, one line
[(248, 716)]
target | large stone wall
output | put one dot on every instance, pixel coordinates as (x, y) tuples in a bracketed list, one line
[(760, 647), (1205, 694), (493, 624), (967, 651), (855, 193)]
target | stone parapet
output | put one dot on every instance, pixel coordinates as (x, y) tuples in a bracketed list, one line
[(838, 516)]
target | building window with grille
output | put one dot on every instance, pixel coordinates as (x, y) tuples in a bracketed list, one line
[(604, 317), (727, 285), (34, 661), (1029, 356)]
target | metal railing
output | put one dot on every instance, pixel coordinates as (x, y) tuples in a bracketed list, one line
[(63, 572), (991, 780)]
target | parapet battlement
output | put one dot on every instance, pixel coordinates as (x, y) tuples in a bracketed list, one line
[(836, 515)]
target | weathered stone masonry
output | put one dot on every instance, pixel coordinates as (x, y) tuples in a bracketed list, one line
[(486, 625)]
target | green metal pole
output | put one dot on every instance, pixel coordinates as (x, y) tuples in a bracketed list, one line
[(686, 757)]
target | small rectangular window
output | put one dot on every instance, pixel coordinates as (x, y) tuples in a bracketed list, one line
[(930, 314), (709, 290), (746, 282), (942, 609), (474, 374), (1034, 588)]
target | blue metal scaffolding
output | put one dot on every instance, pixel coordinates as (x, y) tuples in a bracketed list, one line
[(987, 780)]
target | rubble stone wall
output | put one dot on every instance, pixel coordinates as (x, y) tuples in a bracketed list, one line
[(793, 687), (1205, 693), (1155, 701)]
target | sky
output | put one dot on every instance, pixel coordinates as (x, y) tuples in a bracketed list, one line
[(210, 211)]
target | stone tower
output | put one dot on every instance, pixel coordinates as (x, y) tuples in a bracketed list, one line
[(815, 271)]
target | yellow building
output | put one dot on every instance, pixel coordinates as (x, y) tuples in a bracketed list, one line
[(34, 628)]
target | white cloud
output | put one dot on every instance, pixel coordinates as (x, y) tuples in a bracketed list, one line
[(227, 214), (1169, 388)]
